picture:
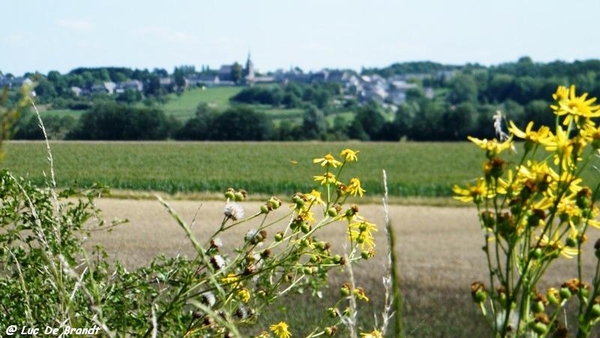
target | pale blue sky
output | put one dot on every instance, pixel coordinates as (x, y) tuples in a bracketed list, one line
[(44, 35)]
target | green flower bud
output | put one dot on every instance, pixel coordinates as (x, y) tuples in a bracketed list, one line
[(337, 259), (305, 228), (478, 292), (264, 209), (553, 296), (332, 312), (279, 236), (304, 243), (565, 293), (274, 202), (331, 212), (537, 307), (536, 253), (307, 270), (539, 327), (239, 196), (596, 310), (365, 254), (230, 194), (345, 290), (330, 331)]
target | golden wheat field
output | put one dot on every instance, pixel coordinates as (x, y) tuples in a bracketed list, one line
[(438, 249)]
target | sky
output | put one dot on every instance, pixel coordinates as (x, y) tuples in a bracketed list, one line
[(45, 35)]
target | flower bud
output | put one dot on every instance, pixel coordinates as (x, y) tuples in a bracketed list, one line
[(332, 312), (330, 331), (553, 296), (478, 292), (279, 236), (536, 253), (537, 306), (565, 293), (331, 212), (305, 228), (264, 209), (240, 195), (337, 259), (596, 310), (230, 194), (538, 327), (345, 290), (274, 202)]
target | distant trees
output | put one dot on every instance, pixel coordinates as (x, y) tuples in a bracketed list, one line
[(292, 95), (119, 122), (235, 124), (465, 98)]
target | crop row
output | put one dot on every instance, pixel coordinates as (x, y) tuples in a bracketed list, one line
[(413, 169)]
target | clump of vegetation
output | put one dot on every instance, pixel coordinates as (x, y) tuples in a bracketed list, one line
[(534, 213), (48, 279)]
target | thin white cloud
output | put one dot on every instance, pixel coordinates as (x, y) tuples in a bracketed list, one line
[(166, 34), (75, 24)]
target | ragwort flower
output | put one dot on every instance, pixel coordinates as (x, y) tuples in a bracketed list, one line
[(354, 187), (328, 160), (281, 330), (373, 334), (349, 155), (530, 136), (326, 178), (578, 109), (555, 246), (492, 147), (472, 193)]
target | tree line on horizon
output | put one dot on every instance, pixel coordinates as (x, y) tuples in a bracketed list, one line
[(463, 105)]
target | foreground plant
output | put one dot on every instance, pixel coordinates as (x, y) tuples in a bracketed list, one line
[(47, 278), (533, 213)]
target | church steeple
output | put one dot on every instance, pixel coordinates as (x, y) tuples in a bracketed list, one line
[(249, 69)]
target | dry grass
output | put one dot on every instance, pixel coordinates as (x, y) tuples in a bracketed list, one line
[(439, 250)]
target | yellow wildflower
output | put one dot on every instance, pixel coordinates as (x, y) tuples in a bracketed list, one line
[(349, 155), (373, 334), (281, 330), (562, 93), (561, 146), (231, 278), (244, 295), (591, 134), (576, 108), (327, 178), (328, 160), (554, 245), (360, 294), (354, 187), (530, 136), (472, 193), (492, 147), (314, 197), (364, 238)]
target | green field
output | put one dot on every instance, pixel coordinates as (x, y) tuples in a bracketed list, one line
[(184, 106), (414, 169)]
